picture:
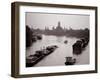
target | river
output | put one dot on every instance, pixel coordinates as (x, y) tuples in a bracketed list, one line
[(57, 58)]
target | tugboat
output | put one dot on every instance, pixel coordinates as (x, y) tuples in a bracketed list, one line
[(70, 61)]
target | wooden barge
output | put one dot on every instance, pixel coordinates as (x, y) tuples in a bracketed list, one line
[(80, 45), (39, 55)]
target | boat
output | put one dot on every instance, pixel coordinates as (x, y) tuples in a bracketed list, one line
[(70, 61), (39, 37), (39, 55), (77, 47), (80, 45), (65, 41), (85, 42), (32, 60), (34, 39), (51, 48)]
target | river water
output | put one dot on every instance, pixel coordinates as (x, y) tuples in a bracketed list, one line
[(57, 58)]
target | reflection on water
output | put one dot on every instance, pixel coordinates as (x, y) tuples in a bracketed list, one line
[(58, 56)]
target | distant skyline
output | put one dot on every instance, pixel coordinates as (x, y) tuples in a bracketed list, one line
[(42, 20)]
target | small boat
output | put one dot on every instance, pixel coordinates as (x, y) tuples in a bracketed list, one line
[(65, 41), (39, 37), (34, 39), (70, 61)]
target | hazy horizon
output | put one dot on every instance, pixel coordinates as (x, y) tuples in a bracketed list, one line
[(42, 20)]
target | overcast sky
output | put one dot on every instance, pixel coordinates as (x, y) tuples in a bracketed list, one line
[(42, 20)]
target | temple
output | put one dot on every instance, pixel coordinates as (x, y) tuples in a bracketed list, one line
[(58, 28)]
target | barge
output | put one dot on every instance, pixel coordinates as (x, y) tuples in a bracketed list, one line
[(80, 45), (39, 55)]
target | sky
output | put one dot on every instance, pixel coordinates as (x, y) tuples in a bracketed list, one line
[(42, 20)]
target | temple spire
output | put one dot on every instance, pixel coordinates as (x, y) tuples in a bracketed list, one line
[(59, 25)]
